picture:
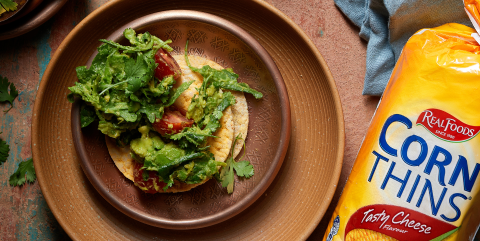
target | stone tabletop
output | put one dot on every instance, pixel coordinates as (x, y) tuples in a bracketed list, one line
[(24, 214)]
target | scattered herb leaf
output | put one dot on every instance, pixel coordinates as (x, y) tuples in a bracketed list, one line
[(18, 177), (227, 176), (4, 149), (4, 95)]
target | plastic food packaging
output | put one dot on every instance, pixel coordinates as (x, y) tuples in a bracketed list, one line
[(416, 174), (471, 8)]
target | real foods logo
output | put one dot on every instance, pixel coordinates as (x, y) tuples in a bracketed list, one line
[(433, 181), (446, 127)]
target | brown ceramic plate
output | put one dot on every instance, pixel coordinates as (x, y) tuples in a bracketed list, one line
[(295, 201), (230, 46), (36, 13)]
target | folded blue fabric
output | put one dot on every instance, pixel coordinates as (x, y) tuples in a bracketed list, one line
[(387, 25)]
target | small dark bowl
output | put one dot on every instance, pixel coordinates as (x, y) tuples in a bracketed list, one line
[(23, 8), (6, 16), (31, 16), (266, 144)]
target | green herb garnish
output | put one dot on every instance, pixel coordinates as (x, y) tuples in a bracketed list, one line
[(25, 168), (4, 95), (242, 168), (120, 89), (4, 149)]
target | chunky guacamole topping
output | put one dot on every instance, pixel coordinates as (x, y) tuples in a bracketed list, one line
[(121, 92), (145, 146)]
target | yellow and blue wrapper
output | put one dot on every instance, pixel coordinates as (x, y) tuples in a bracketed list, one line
[(416, 174)]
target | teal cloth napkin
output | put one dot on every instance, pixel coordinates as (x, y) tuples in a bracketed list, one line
[(387, 25)]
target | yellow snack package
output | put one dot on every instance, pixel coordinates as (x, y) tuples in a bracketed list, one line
[(416, 174)]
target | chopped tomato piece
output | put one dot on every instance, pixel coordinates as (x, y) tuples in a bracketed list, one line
[(147, 186), (172, 122), (167, 65)]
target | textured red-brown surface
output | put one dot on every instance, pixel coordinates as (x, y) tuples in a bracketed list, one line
[(337, 40), (24, 214)]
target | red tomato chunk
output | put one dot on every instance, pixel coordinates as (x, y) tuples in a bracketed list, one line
[(167, 65), (149, 184), (172, 122)]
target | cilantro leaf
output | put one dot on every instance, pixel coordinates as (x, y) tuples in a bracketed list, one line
[(24, 168), (88, 92), (4, 95), (87, 115), (100, 60), (152, 111), (227, 176), (242, 168), (134, 71), (138, 73), (9, 5), (4, 149), (114, 67)]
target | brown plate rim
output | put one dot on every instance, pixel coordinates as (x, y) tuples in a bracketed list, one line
[(178, 15), (67, 226), (338, 106)]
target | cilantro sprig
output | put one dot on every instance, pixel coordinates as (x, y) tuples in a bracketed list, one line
[(4, 95), (25, 167), (4, 149), (25, 171), (242, 168)]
